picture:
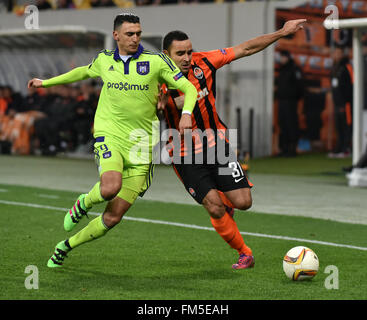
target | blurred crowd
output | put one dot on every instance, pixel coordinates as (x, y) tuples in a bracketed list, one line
[(47, 121), (290, 90), (15, 5)]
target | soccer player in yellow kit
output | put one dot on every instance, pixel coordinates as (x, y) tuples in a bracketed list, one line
[(123, 127)]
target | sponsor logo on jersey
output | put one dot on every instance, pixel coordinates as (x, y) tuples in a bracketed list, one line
[(127, 86), (223, 51), (192, 192), (142, 67), (198, 73), (203, 93), (178, 76)]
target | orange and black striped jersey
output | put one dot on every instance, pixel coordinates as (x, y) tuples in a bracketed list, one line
[(202, 75)]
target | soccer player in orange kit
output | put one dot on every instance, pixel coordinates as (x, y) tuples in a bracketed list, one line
[(218, 193)]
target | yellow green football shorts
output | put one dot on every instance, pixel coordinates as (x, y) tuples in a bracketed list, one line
[(136, 177)]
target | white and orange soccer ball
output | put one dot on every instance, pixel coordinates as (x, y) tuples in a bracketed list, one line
[(300, 263)]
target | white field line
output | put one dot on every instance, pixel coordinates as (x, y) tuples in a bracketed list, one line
[(191, 226), (48, 196), (3, 190)]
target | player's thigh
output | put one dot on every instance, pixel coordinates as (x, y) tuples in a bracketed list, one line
[(233, 182), (213, 203), (197, 180), (110, 166), (240, 198)]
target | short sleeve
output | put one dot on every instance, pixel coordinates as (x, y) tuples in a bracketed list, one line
[(219, 58), (164, 88)]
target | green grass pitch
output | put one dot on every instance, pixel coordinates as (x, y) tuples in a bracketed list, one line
[(142, 260)]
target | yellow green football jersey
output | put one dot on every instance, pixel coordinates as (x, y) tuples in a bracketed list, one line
[(127, 104)]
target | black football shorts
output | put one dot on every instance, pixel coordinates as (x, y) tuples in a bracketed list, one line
[(199, 179)]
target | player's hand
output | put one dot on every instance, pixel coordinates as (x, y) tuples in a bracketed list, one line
[(292, 26), (35, 83), (162, 99), (185, 123)]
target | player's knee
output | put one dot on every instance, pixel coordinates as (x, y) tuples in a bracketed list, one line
[(110, 190), (111, 220), (216, 210), (244, 203), (111, 182)]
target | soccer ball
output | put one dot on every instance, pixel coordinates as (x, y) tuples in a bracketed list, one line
[(300, 263)]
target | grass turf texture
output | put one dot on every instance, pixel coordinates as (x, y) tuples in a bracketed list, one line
[(137, 260), (309, 164)]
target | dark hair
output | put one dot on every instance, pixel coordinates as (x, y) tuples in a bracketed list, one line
[(172, 36), (125, 17)]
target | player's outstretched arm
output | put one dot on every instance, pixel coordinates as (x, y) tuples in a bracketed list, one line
[(77, 74), (257, 44)]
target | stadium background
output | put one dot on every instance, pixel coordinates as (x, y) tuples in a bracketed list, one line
[(245, 88)]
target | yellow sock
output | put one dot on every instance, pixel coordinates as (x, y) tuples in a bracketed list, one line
[(94, 230), (94, 196)]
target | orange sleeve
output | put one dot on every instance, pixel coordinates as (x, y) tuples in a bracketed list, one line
[(219, 58), (164, 88)]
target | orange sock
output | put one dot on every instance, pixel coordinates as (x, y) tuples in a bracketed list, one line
[(227, 228), (225, 200)]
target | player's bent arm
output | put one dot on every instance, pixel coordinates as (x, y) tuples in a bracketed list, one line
[(257, 44), (77, 74), (169, 75), (173, 78), (191, 95)]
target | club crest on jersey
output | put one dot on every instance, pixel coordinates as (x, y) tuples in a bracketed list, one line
[(142, 67), (107, 155), (198, 73)]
